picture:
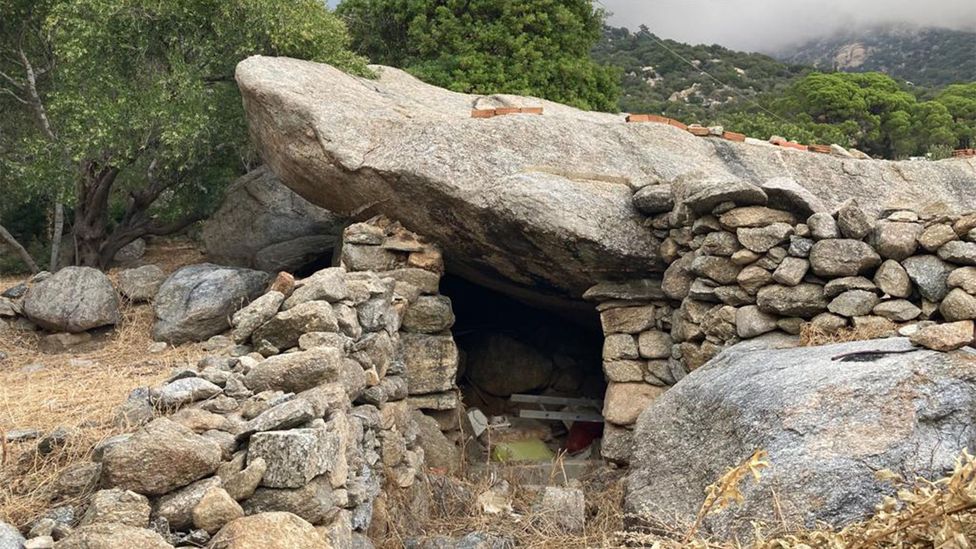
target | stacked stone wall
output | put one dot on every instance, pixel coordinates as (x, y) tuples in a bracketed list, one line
[(748, 260), (305, 407), (427, 351)]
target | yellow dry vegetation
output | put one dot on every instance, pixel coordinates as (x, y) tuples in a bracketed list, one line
[(78, 390)]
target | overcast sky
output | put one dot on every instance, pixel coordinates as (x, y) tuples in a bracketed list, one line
[(766, 25)]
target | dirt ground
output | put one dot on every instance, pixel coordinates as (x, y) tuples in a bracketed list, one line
[(77, 390)]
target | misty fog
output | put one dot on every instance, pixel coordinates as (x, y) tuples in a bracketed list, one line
[(768, 25)]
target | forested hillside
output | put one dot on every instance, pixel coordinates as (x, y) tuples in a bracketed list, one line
[(760, 96), (924, 57), (673, 78)]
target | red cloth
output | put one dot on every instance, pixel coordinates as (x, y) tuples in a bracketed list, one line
[(582, 434)]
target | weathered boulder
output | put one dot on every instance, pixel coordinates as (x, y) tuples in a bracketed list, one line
[(930, 274), (826, 425), (945, 337), (842, 257), (654, 199), (117, 506), (74, 299), (158, 458), (197, 302), (503, 366), (490, 190), (431, 362), (264, 225), (803, 300), (215, 509), (268, 531), (112, 536), (294, 456), (142, 283), (284, 329), (258, 312), (429, 315), (295, 372)]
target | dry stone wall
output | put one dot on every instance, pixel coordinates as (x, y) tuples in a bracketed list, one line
[(306, 407), (428, 354), (747, 260)]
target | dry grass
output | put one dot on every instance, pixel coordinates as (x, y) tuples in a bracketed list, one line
[(460, 513), (811, 336), (46, 391)]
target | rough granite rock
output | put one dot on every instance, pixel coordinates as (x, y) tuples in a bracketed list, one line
[(803, 300), (519, 198), (142, 283), (10, 537), (315, 502), (294, 457), (892, 279), (184, 391), (945, 337), (963, 277), (295, 372), (958, 305), (431, 362), (177, 506), (74, 299), (117, 506), (842, 257), (429, 315), (284, 329), (895, 240), (159, 458), (112, 536), (929, 273), (325, 285), (215, 509), (197, 302), (258, 312), (264, 225), (958, 252), (654, 199), (268, 531), (827, 426)]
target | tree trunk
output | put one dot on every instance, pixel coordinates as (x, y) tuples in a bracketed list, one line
[(91, 214), (12, 242), (56, 237)]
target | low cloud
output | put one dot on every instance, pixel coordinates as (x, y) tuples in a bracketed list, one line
[(768, 25)]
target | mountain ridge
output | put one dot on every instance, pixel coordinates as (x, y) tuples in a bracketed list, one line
[(923, 56)]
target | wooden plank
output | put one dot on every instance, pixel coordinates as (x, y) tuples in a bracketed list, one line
[(556, 401), (561, 416)]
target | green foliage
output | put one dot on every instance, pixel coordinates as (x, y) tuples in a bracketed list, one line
[(529, 47), (925, 57), (761, 97), (145, 88), (960, 101), (653, 72)]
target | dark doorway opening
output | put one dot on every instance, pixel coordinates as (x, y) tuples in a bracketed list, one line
[(508, 347)]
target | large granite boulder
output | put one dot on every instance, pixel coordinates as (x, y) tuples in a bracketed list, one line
[(74, 299), (264, 225), (197, 302), (829, 417), (526, 202)]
